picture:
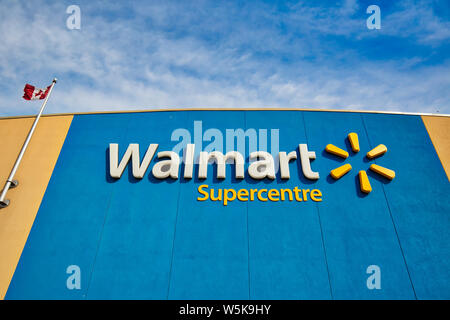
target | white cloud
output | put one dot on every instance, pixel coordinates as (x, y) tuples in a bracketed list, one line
[(170, 55)]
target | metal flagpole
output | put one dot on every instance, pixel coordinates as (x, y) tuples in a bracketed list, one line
[(11, 183)]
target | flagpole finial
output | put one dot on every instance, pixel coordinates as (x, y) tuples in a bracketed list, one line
[(55, 80)]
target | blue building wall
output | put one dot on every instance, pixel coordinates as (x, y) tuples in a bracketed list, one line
[(151, 239)]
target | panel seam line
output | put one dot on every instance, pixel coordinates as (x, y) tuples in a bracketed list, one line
[(320, 225), (392, 218), (173, 242)]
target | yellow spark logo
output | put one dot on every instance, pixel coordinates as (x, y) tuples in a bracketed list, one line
[(372, 154)]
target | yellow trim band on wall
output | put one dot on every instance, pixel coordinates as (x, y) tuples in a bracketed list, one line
[(439, 131), (33, 175)]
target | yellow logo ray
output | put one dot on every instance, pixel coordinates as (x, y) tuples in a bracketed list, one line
[(385, 172), (353, 138), (364, 182), (339, 172), (377, 151), (336, 151)]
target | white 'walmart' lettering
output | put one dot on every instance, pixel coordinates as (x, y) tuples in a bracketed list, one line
[(262, 163)]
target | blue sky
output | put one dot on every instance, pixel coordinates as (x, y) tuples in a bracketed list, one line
[(173, 54)]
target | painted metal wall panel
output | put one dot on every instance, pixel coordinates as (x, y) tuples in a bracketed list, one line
[(210, 257), (419, 200), (287, 256), (358, 230)]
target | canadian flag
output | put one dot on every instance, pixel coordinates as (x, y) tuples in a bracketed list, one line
[(32, 93)]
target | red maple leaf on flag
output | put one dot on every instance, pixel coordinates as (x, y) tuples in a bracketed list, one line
[(32, 93)]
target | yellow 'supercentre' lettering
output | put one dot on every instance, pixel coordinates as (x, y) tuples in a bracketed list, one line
[(227, 196)]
